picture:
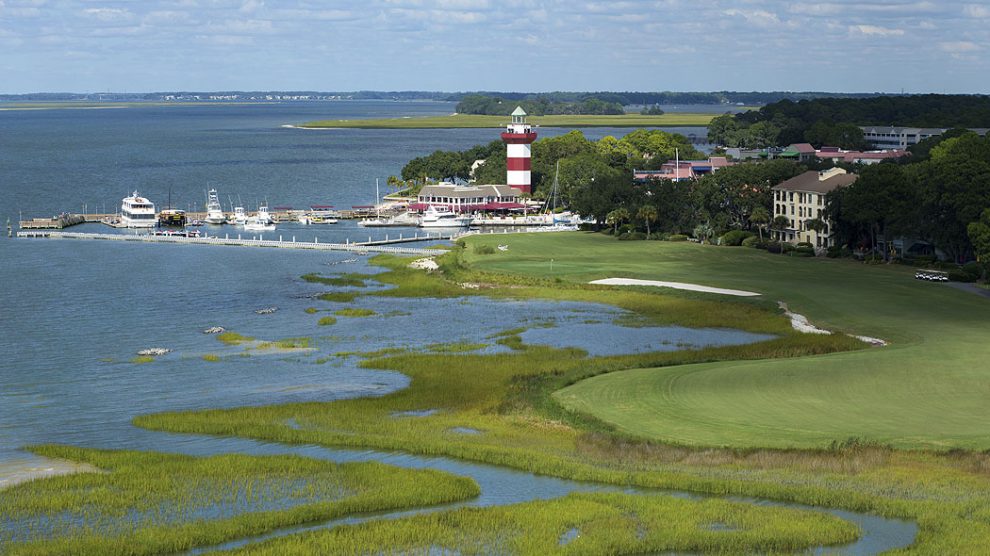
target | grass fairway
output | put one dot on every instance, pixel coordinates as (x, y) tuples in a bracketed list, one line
[(928, 389), (471, 121)]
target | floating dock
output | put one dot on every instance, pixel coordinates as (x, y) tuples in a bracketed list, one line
[(382, 246)]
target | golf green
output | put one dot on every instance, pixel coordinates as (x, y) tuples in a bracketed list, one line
[(928, 389)]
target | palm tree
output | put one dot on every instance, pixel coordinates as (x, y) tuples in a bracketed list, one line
[(649, 214), (781, 223), (760, 218), (395, 183), (704, 232), (616, 217)]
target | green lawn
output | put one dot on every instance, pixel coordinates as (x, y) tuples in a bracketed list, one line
[(470, 121), (928, 389)]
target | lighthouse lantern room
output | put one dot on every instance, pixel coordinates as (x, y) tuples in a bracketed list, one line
[(518, 136)]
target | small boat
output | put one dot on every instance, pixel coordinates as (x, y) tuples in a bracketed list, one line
[(137, 212), (254, 224), (434, 218), (175, 233), (172, 217), (263, 216), (214, 212), (240, 217)]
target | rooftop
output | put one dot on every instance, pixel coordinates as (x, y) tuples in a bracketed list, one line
[(818, 182)]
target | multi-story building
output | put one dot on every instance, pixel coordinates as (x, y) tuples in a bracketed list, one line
[(802, 198)]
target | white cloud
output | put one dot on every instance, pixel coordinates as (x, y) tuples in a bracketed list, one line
[(760, 18), (108, 15), (977, 11), (957, 47), (875, 30)]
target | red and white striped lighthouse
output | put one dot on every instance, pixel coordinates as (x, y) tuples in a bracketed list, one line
[(518, 136)]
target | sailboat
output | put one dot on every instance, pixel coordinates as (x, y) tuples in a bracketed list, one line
[(564, 221), (378, 222)]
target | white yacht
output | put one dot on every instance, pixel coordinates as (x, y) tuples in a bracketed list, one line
[(256, 224), (214, 212), (262, 221), (434, 218), (240, 217), (137, 212)]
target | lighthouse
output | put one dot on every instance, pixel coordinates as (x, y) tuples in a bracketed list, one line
[(518, 136)]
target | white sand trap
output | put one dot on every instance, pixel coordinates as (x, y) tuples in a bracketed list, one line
[(802, 324), (675, 285)]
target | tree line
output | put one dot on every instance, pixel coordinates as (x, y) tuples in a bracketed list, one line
[(836, 121), (938, 196), (539, 106)]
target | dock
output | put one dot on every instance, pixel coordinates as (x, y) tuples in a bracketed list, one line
[(54, 223), (381, 246)]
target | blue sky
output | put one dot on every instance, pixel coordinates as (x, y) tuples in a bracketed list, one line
[(509, 45)]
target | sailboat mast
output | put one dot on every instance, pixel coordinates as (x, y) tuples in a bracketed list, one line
[(378, 212)]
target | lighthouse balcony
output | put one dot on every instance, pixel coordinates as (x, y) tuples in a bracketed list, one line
[(511, 137)]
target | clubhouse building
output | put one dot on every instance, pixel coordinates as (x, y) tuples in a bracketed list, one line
[(802, 198)]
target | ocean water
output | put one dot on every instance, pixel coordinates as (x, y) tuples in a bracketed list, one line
[(76, 160)]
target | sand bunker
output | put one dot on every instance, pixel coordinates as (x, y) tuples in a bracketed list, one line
[(801, 324), (675, 285)]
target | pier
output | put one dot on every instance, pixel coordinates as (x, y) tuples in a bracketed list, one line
[(381, 246)]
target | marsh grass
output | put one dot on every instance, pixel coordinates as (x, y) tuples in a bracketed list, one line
[(211, 357), (455, 347), (141, 359), (233, 338), (148, 503), (311, 310), (286, 343), (590, 523), (354, 312), (326, 321), (351, 279)]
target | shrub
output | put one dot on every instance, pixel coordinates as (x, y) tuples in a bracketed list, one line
[(632, 236), (837, 251), (974, 269), (677, 237), (805, 244), (960, 275), (803, 251), (755, 242), (484, 250), (786, 247), (775, 247), (735, 238)]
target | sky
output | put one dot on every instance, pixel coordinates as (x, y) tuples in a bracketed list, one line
[(495, 45)]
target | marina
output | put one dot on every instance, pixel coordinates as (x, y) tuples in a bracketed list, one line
[(380, 246)]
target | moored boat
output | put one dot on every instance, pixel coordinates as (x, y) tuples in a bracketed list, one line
[(214, 212), (434, 218), (137, 212), (172, 218)]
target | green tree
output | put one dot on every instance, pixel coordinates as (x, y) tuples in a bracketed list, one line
[(979, 235), (780, 223), (648, 214), (704, 232), (617, 217), (723, 130), (760, 217)]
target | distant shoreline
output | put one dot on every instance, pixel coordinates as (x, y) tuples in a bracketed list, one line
[(476, 121)]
